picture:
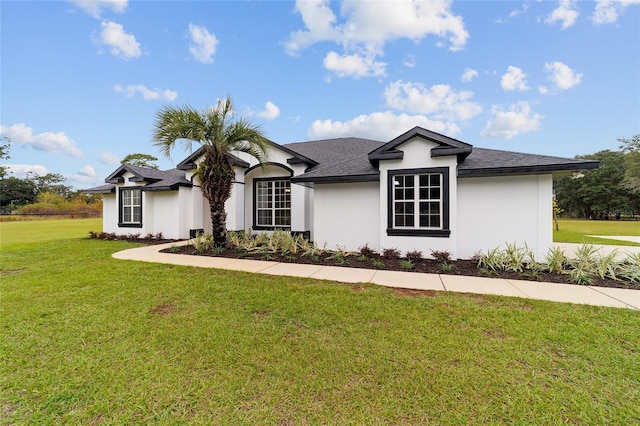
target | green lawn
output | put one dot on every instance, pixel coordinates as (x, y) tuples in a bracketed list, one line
[(87, 339), (577, 231)]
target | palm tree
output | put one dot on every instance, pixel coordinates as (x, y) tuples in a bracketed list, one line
[(216, 130)]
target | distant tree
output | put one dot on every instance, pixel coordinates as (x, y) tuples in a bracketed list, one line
[(220, 134), (142, 160), (52, 182), (631, 150), (16, 192), (4, 155), (596, 193)]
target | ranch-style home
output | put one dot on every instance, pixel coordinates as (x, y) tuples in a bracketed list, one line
[(420, 191)]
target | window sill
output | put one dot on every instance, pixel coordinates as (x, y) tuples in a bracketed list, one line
[(436, 233), (129, 225)]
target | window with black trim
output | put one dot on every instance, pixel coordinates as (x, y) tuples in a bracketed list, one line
[(418, 202), (130, 207), (272, 201)]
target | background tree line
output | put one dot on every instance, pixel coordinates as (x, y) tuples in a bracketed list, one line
[(612, 191), (48, 194), (42, 194)]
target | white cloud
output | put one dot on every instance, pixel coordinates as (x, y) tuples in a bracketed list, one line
[(468, 75), (109, 158), (271, 111), (608, 11), (122, 45), (53, 143), (566, 12), (562, 76), (410, 61), (379, 126), (440, 100), (203, 45), (517, 120), (95, 7), (24, 170), (355, 65), (82, 181), (366, 27), (147, 94), (516, 12), (87, 171), (514, 79)]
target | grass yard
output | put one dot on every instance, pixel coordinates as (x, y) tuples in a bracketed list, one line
[(47, 230), (87, 339), (577, 231)]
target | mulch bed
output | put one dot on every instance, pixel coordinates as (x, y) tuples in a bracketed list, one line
[(430, 266)]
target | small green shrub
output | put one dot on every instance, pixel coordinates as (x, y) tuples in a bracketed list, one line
[(203, 242), (447, 268), (378, 264), (580, 276), (555, 260), (407, 265), (493, 260)]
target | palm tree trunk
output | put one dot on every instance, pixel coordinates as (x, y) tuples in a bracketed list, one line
[(217, 178)]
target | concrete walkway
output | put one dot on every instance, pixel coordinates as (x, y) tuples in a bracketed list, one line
[(568, 293)]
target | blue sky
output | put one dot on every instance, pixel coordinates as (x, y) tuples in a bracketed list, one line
[(82, 80)]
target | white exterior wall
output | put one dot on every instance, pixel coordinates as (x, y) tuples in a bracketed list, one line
[(110, 213), (417, 155), (346, 214), (493, 211), (161, 213)]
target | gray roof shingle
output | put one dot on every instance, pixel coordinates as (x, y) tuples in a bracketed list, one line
[(485, 162), (339, 160), (350, 160)]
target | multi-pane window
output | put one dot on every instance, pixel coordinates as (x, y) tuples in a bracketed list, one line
[(417, 201), (273, 203), (131, 206)]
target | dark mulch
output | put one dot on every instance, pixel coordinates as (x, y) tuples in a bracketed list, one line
[(460, 267)]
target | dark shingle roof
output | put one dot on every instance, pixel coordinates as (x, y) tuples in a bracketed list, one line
[(103, 189), (485, 162), (156, 180), (172, 179), (355, 159), (339, 160)]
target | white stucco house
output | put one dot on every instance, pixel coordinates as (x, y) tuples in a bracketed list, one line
[(420, 191)]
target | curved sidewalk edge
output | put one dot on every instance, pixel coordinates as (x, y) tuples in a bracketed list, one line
[(566, 293)]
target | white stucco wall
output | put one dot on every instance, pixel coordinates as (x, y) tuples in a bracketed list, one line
[(161, 213), (109, 213), (346, 214), (493, 211), (417, 155)]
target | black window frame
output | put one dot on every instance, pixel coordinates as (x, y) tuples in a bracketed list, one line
[(255, 205), (122, 224), (444, 231)]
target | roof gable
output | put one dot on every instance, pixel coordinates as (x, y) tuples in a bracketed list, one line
[(445, 146), (153, 179), (189, 163), (140, 174)]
